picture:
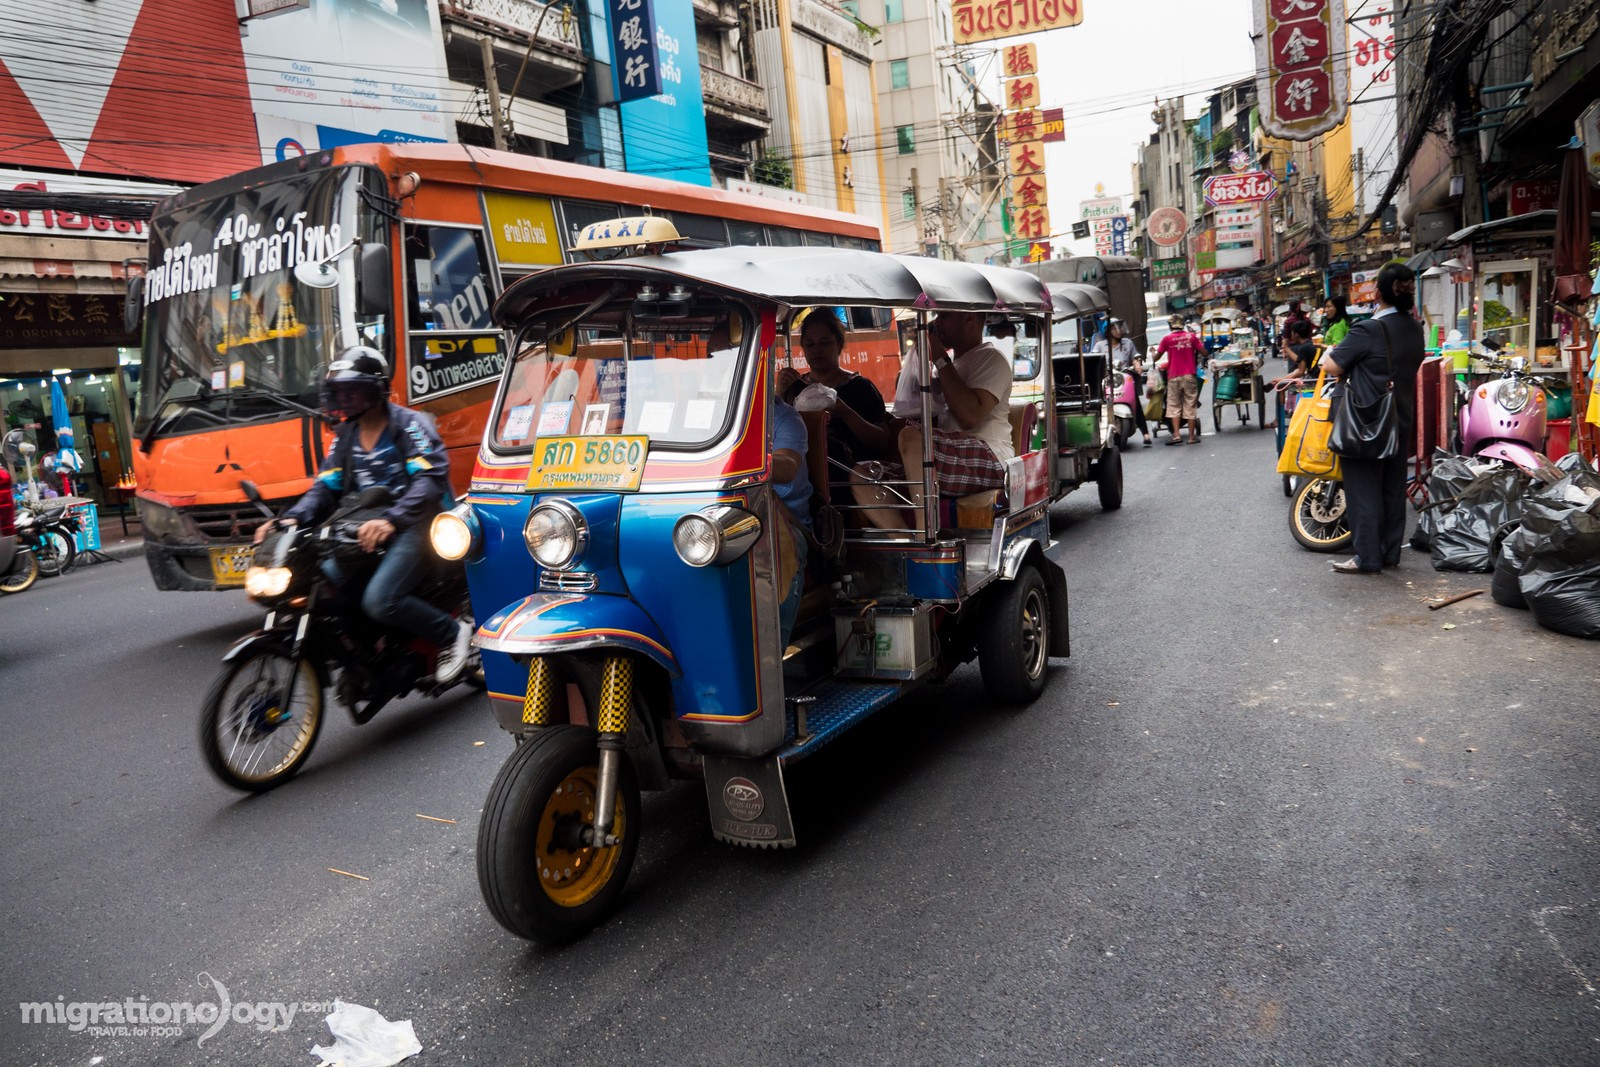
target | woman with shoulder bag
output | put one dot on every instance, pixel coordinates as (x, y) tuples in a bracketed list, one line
[(1374, 419)]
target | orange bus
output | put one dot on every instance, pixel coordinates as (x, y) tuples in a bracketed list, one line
[(256, 281)]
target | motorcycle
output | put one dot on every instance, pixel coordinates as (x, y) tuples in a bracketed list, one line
[(1317, 516), (1124, 396), (1505, 418), (49, 535), (264, 711)]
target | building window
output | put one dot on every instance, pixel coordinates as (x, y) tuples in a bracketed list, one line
[(899, 74), (894, 10), (908, 204), (904, 137)]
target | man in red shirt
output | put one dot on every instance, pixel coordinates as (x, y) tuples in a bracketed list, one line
[(1180, 354)]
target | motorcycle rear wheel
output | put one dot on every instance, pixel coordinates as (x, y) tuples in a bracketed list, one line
[(1317, 516), (249, 741), (56, 552), (24, 574)]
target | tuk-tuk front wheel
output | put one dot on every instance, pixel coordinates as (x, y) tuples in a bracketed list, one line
[(1014, 640), (540, 875)]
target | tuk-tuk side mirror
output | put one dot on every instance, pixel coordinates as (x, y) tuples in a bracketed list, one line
[(735, 330), (1024, 369), (373, 273), (563, 344)]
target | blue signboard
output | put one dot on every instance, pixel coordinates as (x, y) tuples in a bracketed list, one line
[(664, 135), (1119, 235), (633, 35)]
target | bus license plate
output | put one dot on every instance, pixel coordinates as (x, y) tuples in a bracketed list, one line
[(588, 464), (230, 562)]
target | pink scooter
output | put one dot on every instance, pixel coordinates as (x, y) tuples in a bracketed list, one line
[(1124, 397), (1505, 418)]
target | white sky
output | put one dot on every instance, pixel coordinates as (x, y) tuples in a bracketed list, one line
[(1107, 72)]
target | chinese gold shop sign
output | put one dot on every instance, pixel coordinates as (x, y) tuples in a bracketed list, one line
[(986, 20), (1300, 70)]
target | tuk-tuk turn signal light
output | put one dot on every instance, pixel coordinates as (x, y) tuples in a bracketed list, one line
[(715, 535)]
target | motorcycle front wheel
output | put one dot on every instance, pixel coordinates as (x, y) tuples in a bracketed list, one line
[(1317, 516), (56, 553), (24, 573), (250, 738)]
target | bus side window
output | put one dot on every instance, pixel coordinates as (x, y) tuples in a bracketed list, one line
[(447, 279)]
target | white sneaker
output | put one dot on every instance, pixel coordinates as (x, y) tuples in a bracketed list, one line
[(453, 657)]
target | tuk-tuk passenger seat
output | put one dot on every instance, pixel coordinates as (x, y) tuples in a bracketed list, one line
[(978, 509)]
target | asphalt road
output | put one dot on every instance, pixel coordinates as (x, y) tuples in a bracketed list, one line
[(1266, 814)]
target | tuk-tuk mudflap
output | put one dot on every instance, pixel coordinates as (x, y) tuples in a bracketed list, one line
[(748, 802)]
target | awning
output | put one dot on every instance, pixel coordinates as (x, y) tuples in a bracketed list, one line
[(1536, 222)]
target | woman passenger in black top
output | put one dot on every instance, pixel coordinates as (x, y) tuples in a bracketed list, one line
[(858, 428)]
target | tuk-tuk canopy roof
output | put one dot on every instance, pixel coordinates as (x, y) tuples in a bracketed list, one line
[(805, 276), (1072, 299)]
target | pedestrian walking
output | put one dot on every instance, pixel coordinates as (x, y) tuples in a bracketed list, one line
[(1179, 354), (1379, 353)]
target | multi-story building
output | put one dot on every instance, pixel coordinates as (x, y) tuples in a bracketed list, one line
[(943, 189)]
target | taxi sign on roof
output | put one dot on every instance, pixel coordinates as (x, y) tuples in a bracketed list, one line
[(625, 232)]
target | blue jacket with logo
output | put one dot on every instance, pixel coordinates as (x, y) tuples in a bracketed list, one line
[(427, 470)]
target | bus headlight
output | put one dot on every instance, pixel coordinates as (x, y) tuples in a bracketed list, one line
[(715, 535), (556, 534), (267, 583), (455, 533)]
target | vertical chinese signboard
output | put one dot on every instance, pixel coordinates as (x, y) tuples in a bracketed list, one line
[(1300, 66), (633, 37), (1022, 129), (986, 20)]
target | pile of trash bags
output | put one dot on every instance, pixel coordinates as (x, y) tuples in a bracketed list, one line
[(1540, 540)]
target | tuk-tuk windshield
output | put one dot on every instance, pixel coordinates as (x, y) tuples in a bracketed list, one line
[(672, 380)]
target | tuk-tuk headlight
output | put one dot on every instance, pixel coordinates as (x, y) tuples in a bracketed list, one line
[(455, 533), (265, 583), (556, 534), (715, 535)]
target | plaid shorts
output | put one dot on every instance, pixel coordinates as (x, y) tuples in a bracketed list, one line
[(964, 464)]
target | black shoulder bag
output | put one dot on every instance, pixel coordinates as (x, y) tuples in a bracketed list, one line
[(1367, 431)]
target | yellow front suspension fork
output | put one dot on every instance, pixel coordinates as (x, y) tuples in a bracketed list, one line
[(616, 694), (538, 706)]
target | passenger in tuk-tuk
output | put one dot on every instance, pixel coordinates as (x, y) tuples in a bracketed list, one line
[(792, 484), (972, 436), (858, 426)]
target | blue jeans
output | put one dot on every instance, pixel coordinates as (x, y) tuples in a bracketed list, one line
[(387, 598)]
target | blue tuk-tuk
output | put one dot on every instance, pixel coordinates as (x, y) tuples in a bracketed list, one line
[(628, 554)]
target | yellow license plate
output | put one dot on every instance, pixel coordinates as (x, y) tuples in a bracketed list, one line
[(230, 562), (588, 464)]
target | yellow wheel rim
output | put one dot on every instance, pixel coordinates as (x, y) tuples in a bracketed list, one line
[(571, 873)]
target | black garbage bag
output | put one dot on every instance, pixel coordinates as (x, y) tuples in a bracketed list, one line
[(1503, 586), (1465, 536), (1559, 541), (1573, 462), (1447, 477)]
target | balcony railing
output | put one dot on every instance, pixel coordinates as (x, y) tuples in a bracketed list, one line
[(522, 18), (733, 93)]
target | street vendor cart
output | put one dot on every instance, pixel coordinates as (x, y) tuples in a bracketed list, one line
[(1236, 381)]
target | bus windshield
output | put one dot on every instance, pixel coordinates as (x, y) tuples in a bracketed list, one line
[(231, 336), (674, 381)]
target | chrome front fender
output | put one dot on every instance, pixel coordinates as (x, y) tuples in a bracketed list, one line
[(550, 623)]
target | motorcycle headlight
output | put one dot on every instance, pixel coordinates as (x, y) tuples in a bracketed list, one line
[(715, 535), (267, 582), (1514, 395), (455, 533), (556, 534)]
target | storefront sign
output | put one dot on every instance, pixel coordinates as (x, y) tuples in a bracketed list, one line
[(1233, 283), (633, 39), (1524, 197), (523, 229), (1363, 287), (1019, 59), (1030, 191), (63, 320), (54, 222), (1166, 226), (1100, 207), (1177, 267), (441, 365), (1300, 68), (1026, 158), (1248, 187), (1019, 126), (986, 20), (1032, 223), (1021, 93), (1055, 127), (664, 135)]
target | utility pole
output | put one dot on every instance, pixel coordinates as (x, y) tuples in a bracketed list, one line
[(1361, 184), (491, 81), (917, 222), (943, 205)]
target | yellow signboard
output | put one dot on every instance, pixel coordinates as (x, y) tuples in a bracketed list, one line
[(986, 20), (1032, 223), (1021, 93), (588, 464), (1025, 158), (1029, 190), (1019, 59), (523, 229)]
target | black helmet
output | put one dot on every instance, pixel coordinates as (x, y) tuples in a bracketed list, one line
[(359, 377)]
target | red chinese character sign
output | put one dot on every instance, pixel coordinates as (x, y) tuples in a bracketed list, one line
[(1248, 187), (986, 20), (1301, 64), (1019, 59)]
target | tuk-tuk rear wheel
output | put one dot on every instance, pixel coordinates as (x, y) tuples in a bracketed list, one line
[(1014, 641), (538, 876)]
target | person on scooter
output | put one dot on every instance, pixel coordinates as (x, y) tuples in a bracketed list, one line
[(1380, 353), (1120, 352), (381, 443)]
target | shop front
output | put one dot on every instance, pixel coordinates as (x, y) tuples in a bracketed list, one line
[(67, 247)]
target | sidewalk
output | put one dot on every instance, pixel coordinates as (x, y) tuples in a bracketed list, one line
[(116, 544)]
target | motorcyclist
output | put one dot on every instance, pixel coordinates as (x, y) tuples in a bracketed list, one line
[(382, 443)]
